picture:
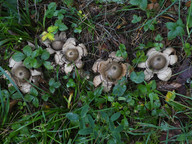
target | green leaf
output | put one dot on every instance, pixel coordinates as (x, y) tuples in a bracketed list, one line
[(34, 63), (84, 111), (71, 83), (119, 128), (52, 29), (61, 25), (122, 52), (119, 89), (35, 102), (85, 131), (35, 53), (33, 91), (47, 65), (28, 97), (136, 19), (57, 84), (18, 56), (52, 89), (27, 50), (16, 96), (72, 116), (52, 6), (91, 121), (45, 55), (51, 82), (158, 38), (27, 62), (78, 29), (140, 3), (45, 97), (137, 77), (115, 116), (176, 29)]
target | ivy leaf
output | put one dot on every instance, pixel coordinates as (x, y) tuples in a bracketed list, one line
[(137, 77)]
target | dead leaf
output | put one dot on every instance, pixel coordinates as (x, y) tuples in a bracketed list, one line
[(153, 6), (185, 72), (188, 4), (164, 86)]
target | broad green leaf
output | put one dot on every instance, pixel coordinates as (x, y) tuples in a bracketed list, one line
[(18, 56), (52, 29), (158, 38), (85, 131), (52, 5), (72, 116), (51, 82), (91, 121), (57, 84), (52, 89), (115, 116), (45, 55), (170, 96), (71, 83), (27, 50), (16, 96), (176, 29), (47, 65), (33, 91), (27, 62), (140, 3), (28, 97), (137, 77), (45, 97), (34, 63), (50, 36), (136, 19), (119, 89), (35, 102), (84, 111)]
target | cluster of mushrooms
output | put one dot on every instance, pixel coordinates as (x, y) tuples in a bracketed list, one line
[(68, 54)]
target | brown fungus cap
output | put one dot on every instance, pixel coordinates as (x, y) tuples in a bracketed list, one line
[(113, 71), (157, 62), (57, 45), (71, 55), (22, 73)]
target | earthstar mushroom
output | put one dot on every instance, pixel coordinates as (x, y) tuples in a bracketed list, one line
[(110, 71), (22, 76), (71, 55), (57, 44), (158, 62)]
